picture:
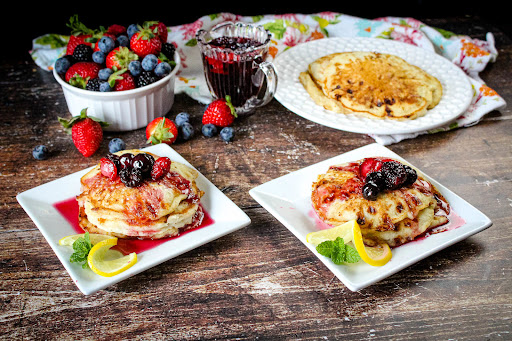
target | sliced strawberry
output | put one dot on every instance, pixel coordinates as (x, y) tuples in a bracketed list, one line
[(108, 168), (160, 168)]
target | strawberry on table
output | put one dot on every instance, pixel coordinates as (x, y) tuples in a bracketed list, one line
[(86, 132), (146, 41), (161, 130), (220, 112)]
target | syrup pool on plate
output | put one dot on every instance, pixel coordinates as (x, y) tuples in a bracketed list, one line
[(69, 210)]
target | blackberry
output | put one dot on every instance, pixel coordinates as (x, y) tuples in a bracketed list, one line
[(146, 78), (131, 177), (168, 50), (93, 84), (394, 174), (82, 53), (370, 191)]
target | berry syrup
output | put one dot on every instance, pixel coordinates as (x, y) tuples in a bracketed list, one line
[(69, 210), (234, 74)]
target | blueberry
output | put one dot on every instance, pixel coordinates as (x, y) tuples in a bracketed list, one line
[(181, 118), (123, 40), (40, 152), (227, 134), (116, 144), (149, 62), (106, 44), (98, 57), (132, 29), (135, 68), (186, 131), (209, 130), (163, 69), (105, 86), (105, 73), (62, 64)]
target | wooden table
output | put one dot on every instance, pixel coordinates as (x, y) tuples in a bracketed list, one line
[(259, 282)]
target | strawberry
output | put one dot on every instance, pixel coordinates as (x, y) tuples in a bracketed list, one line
[(80, 34), (108, 168), (145, 42), (116, 30), (123, 80), (120, 57), (161, 130), (220, 112), (159, 29), (80, 73), (160, 168), (86, 132)]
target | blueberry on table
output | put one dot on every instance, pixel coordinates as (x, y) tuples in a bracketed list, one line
[(186, 131), (181, 118), (227, 134), (209, 130), (40, 152), (116, 144)]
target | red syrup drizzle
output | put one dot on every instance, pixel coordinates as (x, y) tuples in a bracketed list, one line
[(69, 210)]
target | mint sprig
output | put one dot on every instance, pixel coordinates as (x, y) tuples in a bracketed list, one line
[(81, 246), (338, 251)]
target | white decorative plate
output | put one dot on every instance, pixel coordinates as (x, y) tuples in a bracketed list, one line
[(288, 198), (39, 203), (457, 90)]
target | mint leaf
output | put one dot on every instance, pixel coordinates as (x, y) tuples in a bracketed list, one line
[(81, 246), (351, 255), (338, 251)]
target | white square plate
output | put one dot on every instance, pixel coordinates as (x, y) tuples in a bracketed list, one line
[(288, 198), (39, 204)]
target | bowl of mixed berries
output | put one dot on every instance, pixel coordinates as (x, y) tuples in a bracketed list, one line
[(124, 75)]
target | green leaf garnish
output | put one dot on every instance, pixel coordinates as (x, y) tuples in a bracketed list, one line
[(338, 251), (81, 246)]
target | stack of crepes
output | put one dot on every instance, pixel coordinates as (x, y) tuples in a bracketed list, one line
[(288, 30)]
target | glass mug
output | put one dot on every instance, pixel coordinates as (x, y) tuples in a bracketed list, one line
[(234, 60)]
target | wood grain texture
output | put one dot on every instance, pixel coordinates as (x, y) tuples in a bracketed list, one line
[(259, 282)]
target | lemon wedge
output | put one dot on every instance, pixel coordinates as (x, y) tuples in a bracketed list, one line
[(344, 231), (103, 266), (94, 237), (374, 255)]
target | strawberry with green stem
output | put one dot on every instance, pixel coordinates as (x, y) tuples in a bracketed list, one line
[(146, 41), (86, 132), (220, 112), (80, 34), (161, 130)]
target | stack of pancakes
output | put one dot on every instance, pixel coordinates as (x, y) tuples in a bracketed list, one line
[(374, 85), (395, 217), (154, 210)]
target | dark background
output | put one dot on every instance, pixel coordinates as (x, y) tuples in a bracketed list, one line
[(40, 18)]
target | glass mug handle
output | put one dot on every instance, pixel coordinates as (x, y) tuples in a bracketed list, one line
[(271, 79)]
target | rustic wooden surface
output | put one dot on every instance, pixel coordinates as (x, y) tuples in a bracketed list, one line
[(259, 282)]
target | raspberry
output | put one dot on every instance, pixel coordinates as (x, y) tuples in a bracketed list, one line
[(161, 167)]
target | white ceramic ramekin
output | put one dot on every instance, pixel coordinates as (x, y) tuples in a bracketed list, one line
[(123, 110)]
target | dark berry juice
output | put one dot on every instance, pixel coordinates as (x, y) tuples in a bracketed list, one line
[(232, 68)]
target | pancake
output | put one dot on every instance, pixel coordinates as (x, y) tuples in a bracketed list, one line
[(153, 210), (394, 216), (373, 85)]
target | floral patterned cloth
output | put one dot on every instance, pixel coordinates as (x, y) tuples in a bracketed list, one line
[(288, 30)]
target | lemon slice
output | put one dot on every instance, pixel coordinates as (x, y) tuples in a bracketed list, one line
[(109, 267), (374, 255), (95, 238), (344, 231)]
